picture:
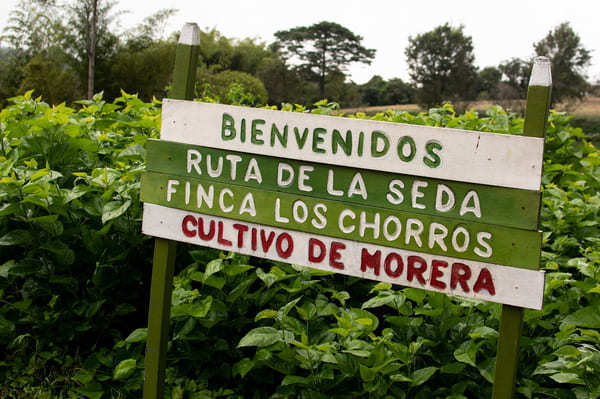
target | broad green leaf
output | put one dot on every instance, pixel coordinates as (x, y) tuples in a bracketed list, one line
[(242, 367), (483, 332), (467, 353), (588, 317), (260, 337), (16, 237), (567, 378), (366, 373), (400, 378), (214, 266), (93, 390), (422, 375), (114, 209), (83, 376), (266, 314), (138, 335), (295, 380), (124, 369), (378, 301), (234, 270)]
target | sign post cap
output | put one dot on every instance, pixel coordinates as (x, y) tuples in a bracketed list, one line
[(190, 34), (541, 74)]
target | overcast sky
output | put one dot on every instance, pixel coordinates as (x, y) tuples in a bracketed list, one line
[(500, 29)]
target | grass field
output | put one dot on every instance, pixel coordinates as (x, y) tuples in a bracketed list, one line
[(586, 114), (590, 107)]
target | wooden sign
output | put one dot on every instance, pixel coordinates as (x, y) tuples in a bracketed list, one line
[(446, 198), (293, 171), (445, 210), (452, 154), (424, 233), (449, 275), (219, 161)]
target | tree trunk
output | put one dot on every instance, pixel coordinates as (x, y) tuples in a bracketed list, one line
[(92, 49), (322, 76)]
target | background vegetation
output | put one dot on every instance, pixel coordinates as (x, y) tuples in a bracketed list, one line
[(75, 270), (64, 53)]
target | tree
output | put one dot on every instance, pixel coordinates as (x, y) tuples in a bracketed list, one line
[(50, 80), (440, 62), (569, 59), (398, 92), (90, 40), (283, 84), (323, 48), (373, 92), (488, 80), (32, 27), (378, 91), (515, 73)]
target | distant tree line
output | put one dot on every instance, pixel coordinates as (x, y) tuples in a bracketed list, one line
[(68, 50)]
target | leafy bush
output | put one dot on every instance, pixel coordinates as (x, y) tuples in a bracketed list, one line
[(74, 282), (231, 87)]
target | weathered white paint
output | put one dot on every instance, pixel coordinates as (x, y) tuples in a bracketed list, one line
[(541, 74), (469, 156), (517, 287), (190, 34)]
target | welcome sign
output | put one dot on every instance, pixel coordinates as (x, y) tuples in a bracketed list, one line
[(445, 210)]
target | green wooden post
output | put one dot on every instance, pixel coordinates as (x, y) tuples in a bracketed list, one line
[(511, 321), (163, 266)]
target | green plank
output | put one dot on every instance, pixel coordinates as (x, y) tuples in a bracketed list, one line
[(536, 111), (511, 320), (512, 247), (184, 74), (511, 323), (184, 77), (499, 206), (158, 318)]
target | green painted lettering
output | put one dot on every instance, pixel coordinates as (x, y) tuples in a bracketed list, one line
[(318, 138), (301, 139), (256, 133), (376, 138), (412, 148), (338, 142), (227, 127), (432, 159), (243, 131), (361, 142), (282, 137)]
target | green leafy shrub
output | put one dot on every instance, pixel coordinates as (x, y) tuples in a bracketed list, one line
[(231, 87), (74, 282)]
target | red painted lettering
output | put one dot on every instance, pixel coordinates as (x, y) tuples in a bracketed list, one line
[(370, 261), (241, 228), (413, 271), (253, 239), (436, 273), (220, 238), (460, 274), (312, 244), (184, 226), (266, 241), (279, 245), (334, 255), (211, 230), (485, 281), (387, 263)]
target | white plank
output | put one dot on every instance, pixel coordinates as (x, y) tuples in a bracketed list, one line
[(468, 156), (512, 286)]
